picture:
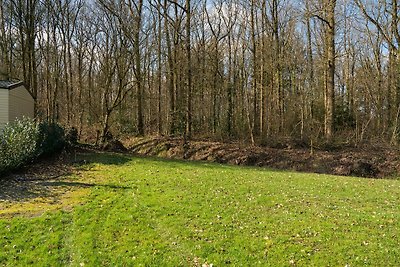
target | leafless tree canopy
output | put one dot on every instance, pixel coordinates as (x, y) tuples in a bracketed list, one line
[(251, 70)]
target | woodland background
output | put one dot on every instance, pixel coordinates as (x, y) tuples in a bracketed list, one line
[(254, 70)]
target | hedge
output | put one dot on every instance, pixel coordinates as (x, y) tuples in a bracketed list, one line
[(24, 140)]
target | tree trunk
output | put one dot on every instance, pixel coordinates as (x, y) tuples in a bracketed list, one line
[(330, 69), (138, 70), (188, 130)]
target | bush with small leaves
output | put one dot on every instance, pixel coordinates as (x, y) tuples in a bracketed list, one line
[(25, 140), (18, 143)]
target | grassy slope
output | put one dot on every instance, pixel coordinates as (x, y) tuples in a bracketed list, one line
[(148, 212)]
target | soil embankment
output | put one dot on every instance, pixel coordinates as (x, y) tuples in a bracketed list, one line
[(374, 162)]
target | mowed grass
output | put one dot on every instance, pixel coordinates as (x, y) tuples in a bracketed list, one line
[(151, 212)]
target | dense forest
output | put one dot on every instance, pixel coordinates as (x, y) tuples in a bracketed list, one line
[(253, 70)]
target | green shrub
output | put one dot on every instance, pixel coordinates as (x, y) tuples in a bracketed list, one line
[(25, 140), (18, 143), (52, 138)]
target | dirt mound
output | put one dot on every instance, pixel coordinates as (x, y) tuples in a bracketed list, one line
[(362, 162), (114, 146)]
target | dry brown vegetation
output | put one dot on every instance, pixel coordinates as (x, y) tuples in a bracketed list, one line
[(366, 161)]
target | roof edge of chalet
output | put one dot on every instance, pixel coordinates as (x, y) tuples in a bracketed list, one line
[(10, 84)]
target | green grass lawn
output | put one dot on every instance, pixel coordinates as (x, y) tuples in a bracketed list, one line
[(152, 212)]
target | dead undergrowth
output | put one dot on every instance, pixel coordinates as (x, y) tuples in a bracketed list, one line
[(375, 162)]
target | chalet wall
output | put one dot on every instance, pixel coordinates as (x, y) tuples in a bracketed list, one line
[(20, 104), (3, 107)]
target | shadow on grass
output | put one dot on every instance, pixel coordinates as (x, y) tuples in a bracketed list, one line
[(19, 191), (177, 163), (82, 185), (110, 158), (105, 158), (45, 179)]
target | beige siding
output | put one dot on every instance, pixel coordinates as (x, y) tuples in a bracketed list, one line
[(3, 107), (20, 104)]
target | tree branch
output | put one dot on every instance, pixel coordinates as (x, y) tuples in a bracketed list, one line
[(375, 22), (178, 5), (322, 19)]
